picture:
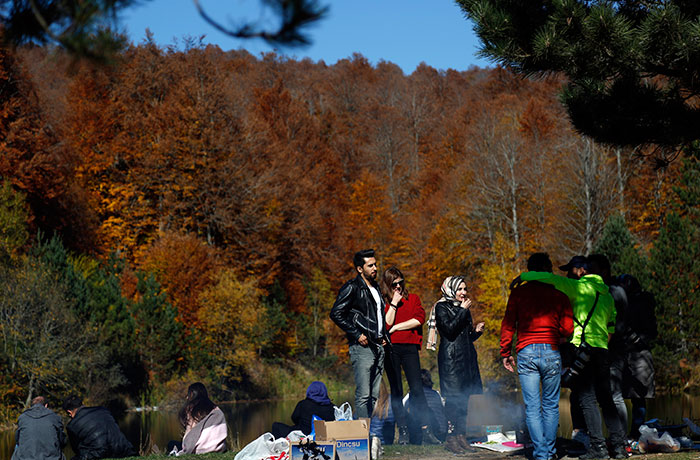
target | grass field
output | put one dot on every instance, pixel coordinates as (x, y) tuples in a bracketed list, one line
[(396, 452)]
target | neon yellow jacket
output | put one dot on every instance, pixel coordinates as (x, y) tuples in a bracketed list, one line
[(582, 294)]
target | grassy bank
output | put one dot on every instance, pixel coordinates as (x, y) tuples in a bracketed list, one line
[(439, 453)]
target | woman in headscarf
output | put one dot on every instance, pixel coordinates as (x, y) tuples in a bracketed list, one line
[(457, 363), (316, 403)]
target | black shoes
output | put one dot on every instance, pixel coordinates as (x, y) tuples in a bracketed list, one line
[(596, 452), (403, 435), (429, 437), (620, 452)]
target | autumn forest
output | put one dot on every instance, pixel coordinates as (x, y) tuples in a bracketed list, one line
[(188, 213)]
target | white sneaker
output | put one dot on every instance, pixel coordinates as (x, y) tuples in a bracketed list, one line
[(376, 448)]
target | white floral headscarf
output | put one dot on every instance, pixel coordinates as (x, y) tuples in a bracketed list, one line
[(449, 288), (449, 293)]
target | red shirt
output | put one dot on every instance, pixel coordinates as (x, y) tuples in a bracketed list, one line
[(539, 314), (408, 308)]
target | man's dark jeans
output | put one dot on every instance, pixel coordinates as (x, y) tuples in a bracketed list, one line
[(406, 355), (594, 386)]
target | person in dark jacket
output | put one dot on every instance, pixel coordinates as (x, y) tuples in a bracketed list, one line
[(316, 403), (39, 434), (457, 362), (616, 344), (359, 311), (436, 411), (639, 332), (93, 432)]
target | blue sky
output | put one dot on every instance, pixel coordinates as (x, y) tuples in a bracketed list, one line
[(404, 32)]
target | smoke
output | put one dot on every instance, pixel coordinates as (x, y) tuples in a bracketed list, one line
[(493, 409)]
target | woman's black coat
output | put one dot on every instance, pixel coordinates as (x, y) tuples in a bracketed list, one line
[(457, 363)]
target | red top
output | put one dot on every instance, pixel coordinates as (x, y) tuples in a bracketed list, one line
[(408, 308), (539, 313)]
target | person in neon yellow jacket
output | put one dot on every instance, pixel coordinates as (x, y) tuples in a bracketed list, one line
[(593, 383), (582, 294)]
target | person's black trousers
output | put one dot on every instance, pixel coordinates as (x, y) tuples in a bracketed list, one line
[(404, 355)]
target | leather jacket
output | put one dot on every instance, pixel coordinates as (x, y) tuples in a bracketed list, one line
[(94, 434), (355, 312), (457, 360)]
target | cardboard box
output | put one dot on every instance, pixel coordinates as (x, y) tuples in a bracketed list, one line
[(352, 449), (346, 429), (297, 452), (351, 437)]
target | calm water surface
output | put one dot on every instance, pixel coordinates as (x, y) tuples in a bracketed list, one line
[(247, 421)]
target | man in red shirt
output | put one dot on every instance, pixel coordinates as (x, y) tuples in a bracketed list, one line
[(542, 318)]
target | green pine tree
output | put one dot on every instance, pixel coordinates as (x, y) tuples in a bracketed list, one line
[(632, 67), (159, 336), (618, 244), (93, 292), (674, 273), (270, 336)]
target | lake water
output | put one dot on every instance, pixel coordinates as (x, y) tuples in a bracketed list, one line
[(247, 421)]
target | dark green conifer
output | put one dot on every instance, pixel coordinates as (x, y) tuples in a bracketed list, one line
[(633, 67), (674, 273), (618, 244), (159, 336)]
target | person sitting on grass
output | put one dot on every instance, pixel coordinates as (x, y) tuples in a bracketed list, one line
[(436, 411), (203, 422), (39, 433), (316, 403), (93, 432)]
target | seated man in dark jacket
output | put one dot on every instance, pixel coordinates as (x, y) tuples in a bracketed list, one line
[(437, 418), (93, 432), (39, 433)]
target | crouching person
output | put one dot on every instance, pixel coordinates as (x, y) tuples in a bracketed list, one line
[(203, 422), (93, 432), (39, 433)]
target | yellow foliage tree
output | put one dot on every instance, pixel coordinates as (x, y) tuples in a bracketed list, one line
[(496, 275), (230, 311)]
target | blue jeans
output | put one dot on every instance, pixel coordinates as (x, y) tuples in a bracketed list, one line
[(368, 366), (539, 364)]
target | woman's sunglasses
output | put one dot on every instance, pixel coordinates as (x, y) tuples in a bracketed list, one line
[(398, 283)]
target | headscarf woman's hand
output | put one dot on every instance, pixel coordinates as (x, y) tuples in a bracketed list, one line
[(466, 303)]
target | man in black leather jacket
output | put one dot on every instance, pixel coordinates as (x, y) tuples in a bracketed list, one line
[(93, 432), (359, 311)]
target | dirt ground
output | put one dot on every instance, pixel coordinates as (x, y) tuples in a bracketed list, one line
[(439, 453)]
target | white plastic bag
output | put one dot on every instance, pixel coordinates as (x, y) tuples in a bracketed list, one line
[(344, 412), (650, 441), (266, 447), (297, 435)]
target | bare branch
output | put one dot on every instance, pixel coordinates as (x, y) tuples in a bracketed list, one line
[(295, 16)]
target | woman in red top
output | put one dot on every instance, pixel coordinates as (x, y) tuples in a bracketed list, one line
[(404, 317)]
